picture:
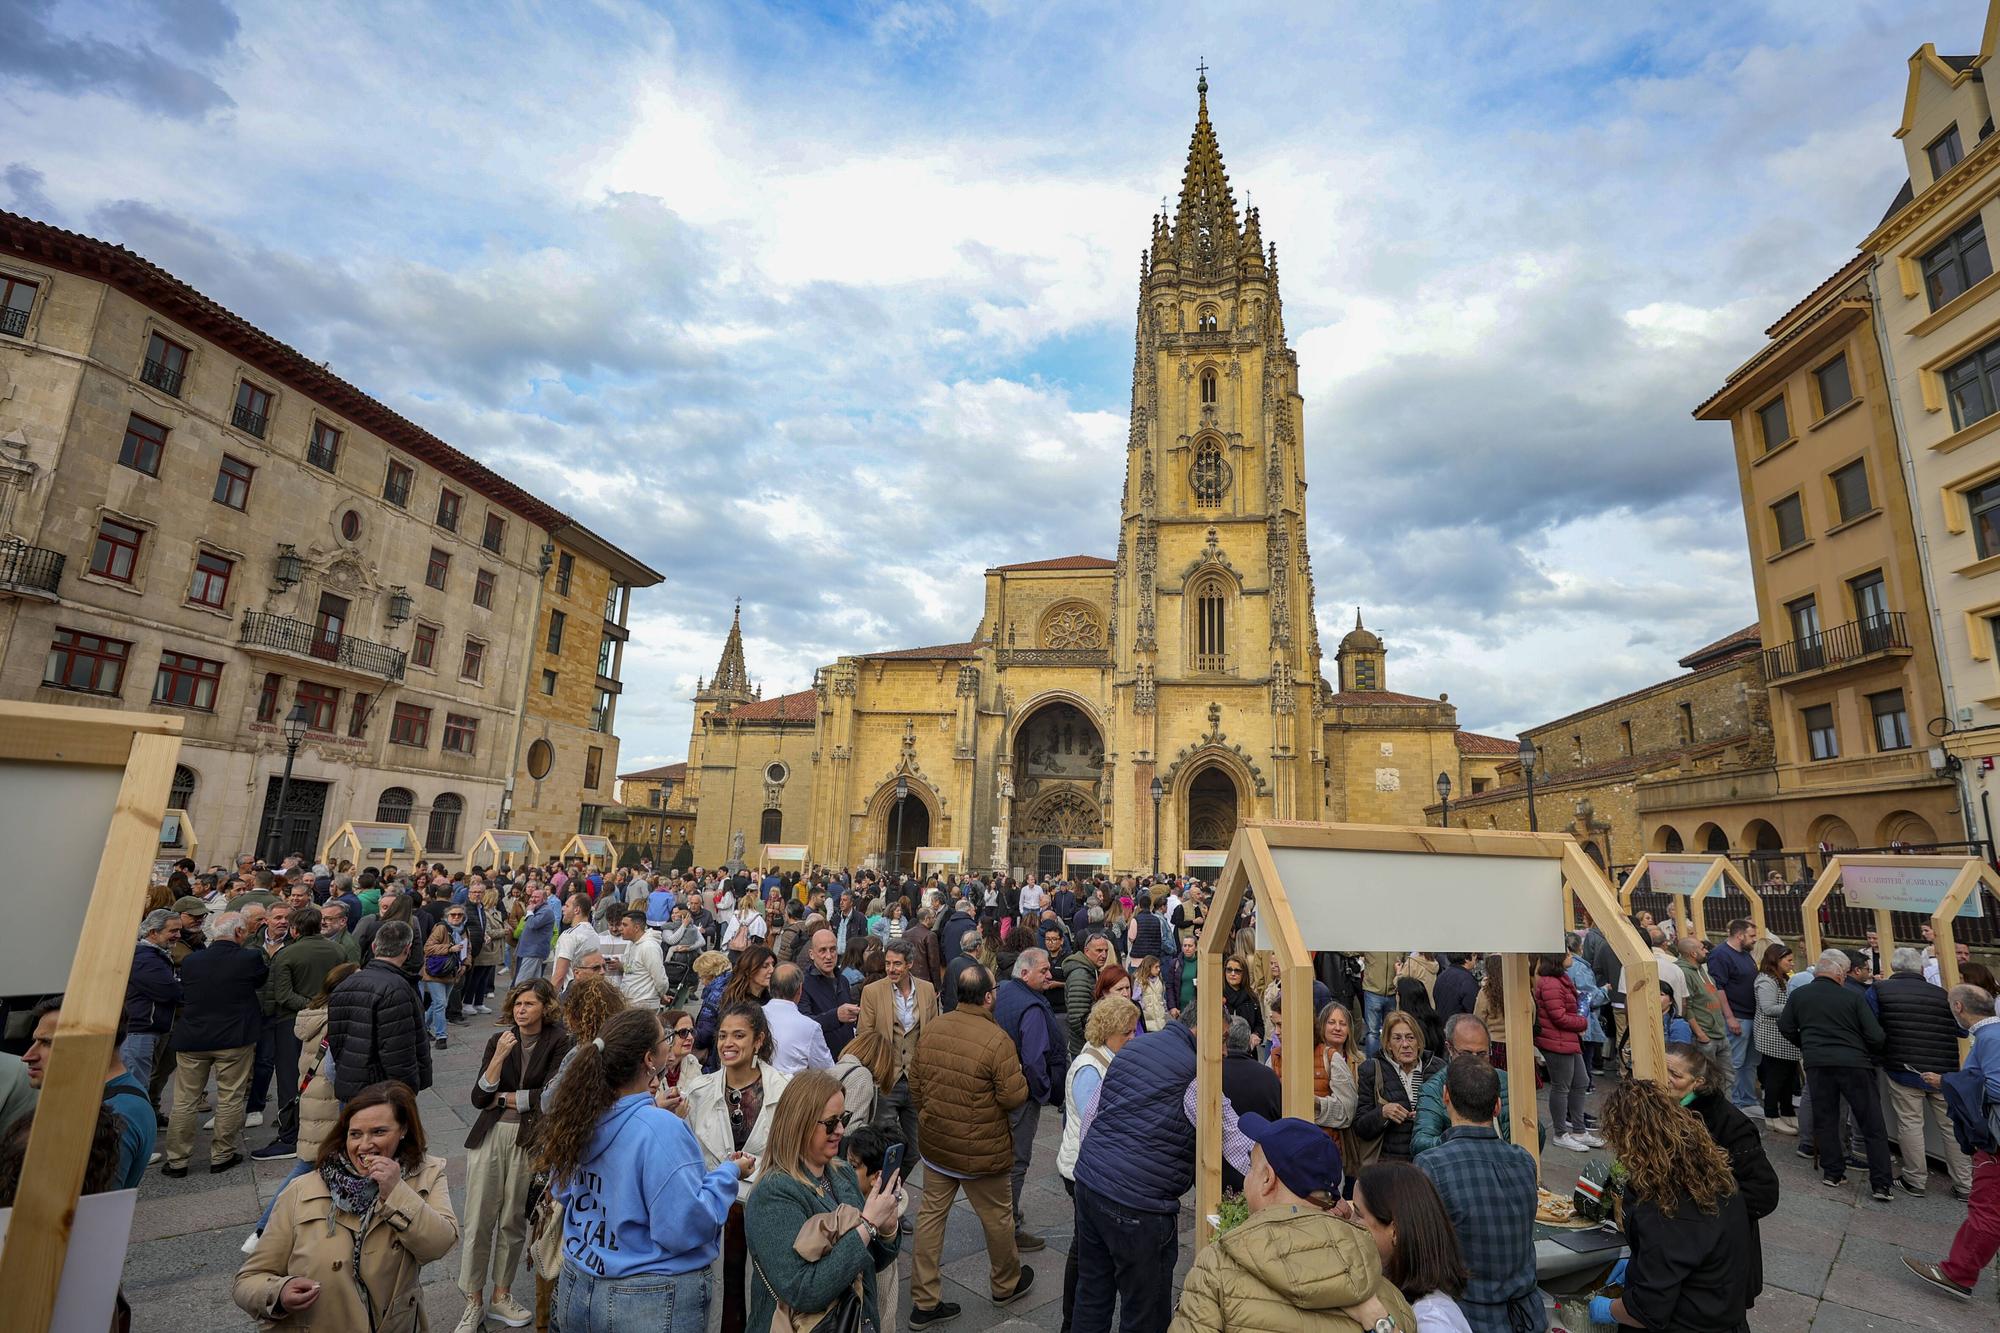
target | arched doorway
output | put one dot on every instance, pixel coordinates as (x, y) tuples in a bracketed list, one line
[(1058, 777), (906, 826), (1668, 840), (1903, 828), (1211, 810), (1712, 838)]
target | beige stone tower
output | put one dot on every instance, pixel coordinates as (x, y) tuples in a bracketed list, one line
[(728, 687)]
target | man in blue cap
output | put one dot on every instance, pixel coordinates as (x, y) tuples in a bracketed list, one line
[(1294, 1253)]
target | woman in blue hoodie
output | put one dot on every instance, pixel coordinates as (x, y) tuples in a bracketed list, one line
[(642, 1221)]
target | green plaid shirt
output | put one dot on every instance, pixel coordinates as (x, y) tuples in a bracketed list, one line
[(1489, 1189)]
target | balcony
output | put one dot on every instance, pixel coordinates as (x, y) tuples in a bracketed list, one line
[(14, 323), (295, 638), (397, 493), (322, 456), (32, 570), (162, 377), (244, 419), (1857, 641)]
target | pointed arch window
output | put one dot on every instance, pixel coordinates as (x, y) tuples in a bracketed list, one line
[(1208, 476), (1205, 320), (1210, 603), (1207, 386)]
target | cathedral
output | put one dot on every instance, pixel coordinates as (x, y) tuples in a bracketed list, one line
[(1119, 714)]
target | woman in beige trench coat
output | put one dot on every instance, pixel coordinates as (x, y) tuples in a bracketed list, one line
[(346, 1246)]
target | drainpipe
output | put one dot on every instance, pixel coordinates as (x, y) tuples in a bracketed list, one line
[(548, 558)]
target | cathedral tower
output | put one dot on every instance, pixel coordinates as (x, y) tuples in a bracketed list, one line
[(728, 687)]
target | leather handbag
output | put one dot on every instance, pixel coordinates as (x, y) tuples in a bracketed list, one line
[(545, 1231)]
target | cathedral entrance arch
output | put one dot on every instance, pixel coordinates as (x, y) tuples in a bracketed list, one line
[(1059, 782), (1211, 813), (898, 826)]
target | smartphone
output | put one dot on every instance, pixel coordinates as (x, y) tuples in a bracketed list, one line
[(892, 1160)]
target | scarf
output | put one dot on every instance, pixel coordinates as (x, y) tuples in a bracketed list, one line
[(352, 1192)]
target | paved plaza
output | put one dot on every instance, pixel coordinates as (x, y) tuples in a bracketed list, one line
[(1830, 1256)]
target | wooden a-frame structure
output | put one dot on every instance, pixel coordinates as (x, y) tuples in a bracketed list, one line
[(1688, 878)]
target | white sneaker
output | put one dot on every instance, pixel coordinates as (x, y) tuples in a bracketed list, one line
[(254, 1119), (154, 1160), (473, 1318), (249, 1245), (1754, 1111), (1569, 1143), (208, 1123), (1589, 1138), (506, 1310)]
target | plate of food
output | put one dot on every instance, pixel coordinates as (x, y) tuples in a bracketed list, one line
[(1557, 1211)]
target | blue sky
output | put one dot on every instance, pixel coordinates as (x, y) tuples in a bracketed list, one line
[(831, 306)]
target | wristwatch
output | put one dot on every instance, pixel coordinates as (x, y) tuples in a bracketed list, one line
[(1386, 1324)]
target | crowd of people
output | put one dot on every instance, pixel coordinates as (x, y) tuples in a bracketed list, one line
[(706, 1100)]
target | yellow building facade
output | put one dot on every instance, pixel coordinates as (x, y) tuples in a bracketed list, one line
[(1189, 659)]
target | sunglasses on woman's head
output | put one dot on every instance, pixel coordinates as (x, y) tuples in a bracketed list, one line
[(833, 1124)]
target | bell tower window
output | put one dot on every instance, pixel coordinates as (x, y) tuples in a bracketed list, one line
[(1211, 625), (1208, 477), (1207, 386), (1205, 320)]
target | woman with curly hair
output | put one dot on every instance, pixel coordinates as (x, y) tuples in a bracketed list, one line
[(1685, 1220), (1701, 1082)]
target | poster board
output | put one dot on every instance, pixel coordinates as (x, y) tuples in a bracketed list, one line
[(952, 857), (1091, 858), (1357, 887), (362, 840), (102, 778), (508, 848), (178, 839), (1202, 859), (594, 848), (776, 853), (1946, 887), (1689, 878)]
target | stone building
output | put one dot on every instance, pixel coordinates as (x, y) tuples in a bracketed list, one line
[(1190, 657), (652, 817), (196, 518)]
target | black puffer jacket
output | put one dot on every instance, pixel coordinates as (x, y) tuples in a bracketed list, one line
[(1756, 1180), (375, 1025), (1916, 1018)]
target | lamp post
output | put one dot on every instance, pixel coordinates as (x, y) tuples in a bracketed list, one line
[(902, 795), (1528, 768), (1158, 792), (1444, 798), (296, 722)]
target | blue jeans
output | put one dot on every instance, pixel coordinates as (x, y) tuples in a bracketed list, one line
[(1124, 1254), (1743, 1058), (436, 994), (137, 1053), (653, 1302), (1374, 1009)]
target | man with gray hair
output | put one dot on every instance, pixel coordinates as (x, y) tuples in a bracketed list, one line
[(1024, 1013), (1922, 1044), (796, 1041), (1978, 1238), (1840, 1041), (216, 1034), (1248, 1085), (152, 992), (375, 1021)]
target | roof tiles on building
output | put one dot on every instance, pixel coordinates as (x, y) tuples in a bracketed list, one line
[(1471, 742), (1060, 562), (800, 707), (1730, 645), (955, 652), (668, 773), (1378, 697)]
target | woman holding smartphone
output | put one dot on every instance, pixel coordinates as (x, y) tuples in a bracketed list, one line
[(730, 1112)]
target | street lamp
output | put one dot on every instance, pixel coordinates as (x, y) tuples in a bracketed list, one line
[(1158, 792), (1528, 768), (902, 795), (1444, 798), (295, 724)]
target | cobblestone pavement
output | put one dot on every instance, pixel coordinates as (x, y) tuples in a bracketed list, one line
[(1831, 1258)]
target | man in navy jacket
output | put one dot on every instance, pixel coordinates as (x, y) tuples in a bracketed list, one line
[(216, 1033)]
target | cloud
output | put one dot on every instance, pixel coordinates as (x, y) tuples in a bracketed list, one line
[(38, 53), (24, 191)]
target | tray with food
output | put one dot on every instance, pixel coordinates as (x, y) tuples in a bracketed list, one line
[(1555, 1210)]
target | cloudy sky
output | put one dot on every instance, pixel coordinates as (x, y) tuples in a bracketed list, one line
[(830, 306)]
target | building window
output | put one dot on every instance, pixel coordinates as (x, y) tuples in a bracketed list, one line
[(1850, 490), (586, 818), (17, 298), (1892, 721), (1208, 476), (607, 648), (600, 715), (442, 835), (166, 365), (461, 734), (495, 538), (653, 798), (1790, 516), (116, 552), (1687, 723), (556, 622), (350, 525), (1625, 738), (1804, 616), (395, 805), (357, 717), (593, 766), (438, 567), (90, 663), (1207, 386), (1205, 320), (1773, 424), (253, 409), (1871, 599), (411, 725), (187, 682), (1821, 738), (1983, 504), (565, 569), (1364, 674), (482, 589), (423, 650), (1836, 389), (232, 482), (396, 484), (1945, 152), (210, 584), (548, 682), (323, 447), (1211, 611), (144, 442), (473, 665), (322, 704), (267, 697), (1956, 262), (771, 828), (180, 796), (449, 502), (611, 604)]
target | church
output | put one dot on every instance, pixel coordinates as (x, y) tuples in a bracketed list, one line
[(1119, 714)]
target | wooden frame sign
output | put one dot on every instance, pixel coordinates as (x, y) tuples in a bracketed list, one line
[(591, 848), (1356, 887), (72, 778), (178, 838), (369, 839), (507, 848), (1691, 877)]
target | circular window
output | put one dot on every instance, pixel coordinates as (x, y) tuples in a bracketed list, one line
[(776, 772), (541, 758), (350, 525)]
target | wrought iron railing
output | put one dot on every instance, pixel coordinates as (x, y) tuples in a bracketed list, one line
[(397, 493), (162, 377), (261, 630), (1834, 647), (14, 323), (322, 456), (29, 568), (245, 419)]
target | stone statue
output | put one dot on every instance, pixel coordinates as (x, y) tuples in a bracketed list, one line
[(735, 851)]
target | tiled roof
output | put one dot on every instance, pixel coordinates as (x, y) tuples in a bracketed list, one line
[(670, 773), (1707, 668), (800, 707), (1471, 742), (952, 651), (1746, 638), (1062, 562), (1378, 697)]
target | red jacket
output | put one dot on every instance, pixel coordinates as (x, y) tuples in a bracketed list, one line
[(1557, 1022)]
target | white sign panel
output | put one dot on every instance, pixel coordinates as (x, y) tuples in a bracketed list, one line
[(784, 851), (1204, 859), (101, 1233), (940, 856), (1356, 900), (1087, 856), (1903, 888), (1682, 877)]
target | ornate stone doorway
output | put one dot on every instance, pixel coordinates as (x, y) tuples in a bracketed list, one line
[(901, 837), (1058, 787), (1211, 810)]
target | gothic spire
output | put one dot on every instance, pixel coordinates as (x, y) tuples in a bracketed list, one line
[(732, 677), (1207, 208)]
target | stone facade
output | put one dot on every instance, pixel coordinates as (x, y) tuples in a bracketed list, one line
[(198, 519)]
